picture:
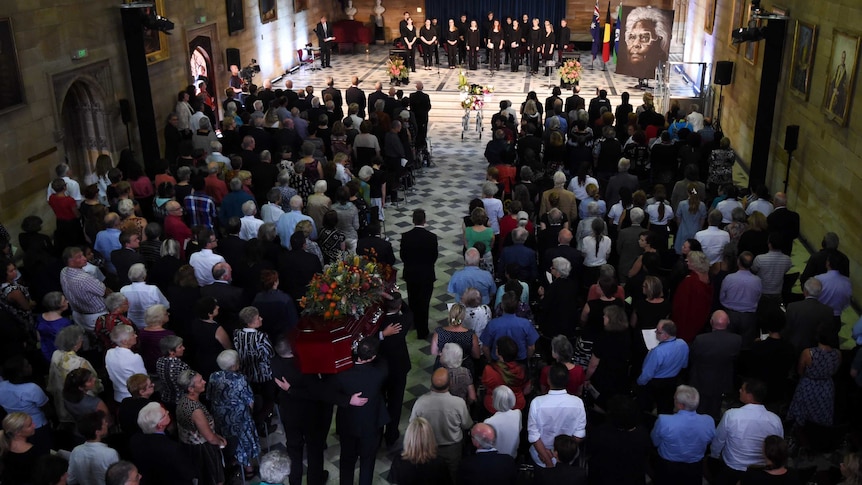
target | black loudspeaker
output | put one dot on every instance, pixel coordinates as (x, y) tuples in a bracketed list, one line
[(126, 111), (723, 72), (791, 137), (232, 56)]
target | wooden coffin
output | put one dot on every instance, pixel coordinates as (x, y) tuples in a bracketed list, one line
[(326, 346)]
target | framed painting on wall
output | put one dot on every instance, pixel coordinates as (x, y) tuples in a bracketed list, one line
[(300, 5), (268, 11), (841, 69), (156, 46), (802, 62), (750, 49), (12, 92), (709, 21), (235, 17), (736, 22)]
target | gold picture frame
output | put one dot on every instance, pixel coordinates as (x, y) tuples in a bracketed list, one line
[(709, 21), (841, 71), (268, 12), (802, 59), (736, 22), (156, 46)]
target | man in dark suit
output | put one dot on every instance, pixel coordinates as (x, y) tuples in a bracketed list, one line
[(784, 221), (550, 100), (325, 40), (125, 257), (373, 97), (230, 298), (375, 247), (359, 427), (563, 250), (396, 357), (712, 359), (419, 254), (296, 267), (305, 404), (564, 36), (817, 262), (356, 95), (420, 105), (575, 101), (596, 105), (487, 465), (806, 317), (337, 100), (159, 459), (231, 247), (565, 451)]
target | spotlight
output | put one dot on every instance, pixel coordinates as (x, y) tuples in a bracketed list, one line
[(743, 34), (157, 22)]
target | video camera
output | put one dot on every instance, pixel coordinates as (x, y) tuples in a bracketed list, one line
[(249, 71)]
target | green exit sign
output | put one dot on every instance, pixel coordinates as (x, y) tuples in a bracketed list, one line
[(79, 54)]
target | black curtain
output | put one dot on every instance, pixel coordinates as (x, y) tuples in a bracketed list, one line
[(443, 10)]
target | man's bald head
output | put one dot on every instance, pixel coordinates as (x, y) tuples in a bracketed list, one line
[(779, 199), (392, 92), (565, 237), (484, 436), (440, 380), (419, 86), (719, 320)]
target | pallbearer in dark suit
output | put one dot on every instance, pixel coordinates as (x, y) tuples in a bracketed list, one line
[(419, 254), (395, 356), (305, 404), (325, 40), (359, 427), (356, 95), (784, 221)]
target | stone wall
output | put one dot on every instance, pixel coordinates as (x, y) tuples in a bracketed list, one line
[(826, 172)]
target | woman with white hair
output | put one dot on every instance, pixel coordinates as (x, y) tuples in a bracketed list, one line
[(130, 221), (460, 378), (232, 402), (141, 295), (63, 361), (121, 362), (506, 421), (493, 206), (118, 308), (563, 352), (169, 367), (318, 203), (274, 468), (197, 429), (149, 338), (476, 315)]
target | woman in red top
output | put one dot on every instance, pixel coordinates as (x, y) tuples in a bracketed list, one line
[(505, 371), (563, 352), (693, 298), (69, 232)]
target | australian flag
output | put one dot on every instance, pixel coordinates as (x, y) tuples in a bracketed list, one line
[(595, 30)]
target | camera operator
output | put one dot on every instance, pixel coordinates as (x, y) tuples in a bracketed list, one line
[(236, 82)]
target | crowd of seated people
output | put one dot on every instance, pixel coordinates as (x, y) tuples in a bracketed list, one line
[(637, 333)]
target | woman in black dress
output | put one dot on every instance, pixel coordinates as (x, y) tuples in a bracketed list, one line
[(514, 45), (496, 44), (428, 37), (452, 44), (609, 363), (473, 44), (549, 41), (418, 463), (534, 44), (408, 35)]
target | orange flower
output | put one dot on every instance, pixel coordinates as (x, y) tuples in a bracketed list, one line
[(327, 314)]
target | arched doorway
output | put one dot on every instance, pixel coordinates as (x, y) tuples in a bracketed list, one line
[(86, 134)]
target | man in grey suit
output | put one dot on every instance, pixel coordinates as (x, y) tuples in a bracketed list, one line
[(712, 358)]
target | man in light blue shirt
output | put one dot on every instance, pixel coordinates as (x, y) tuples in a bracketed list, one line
[(682, 439), (509, 325), (661, 368), (108, 240), (472, 277), (287, 222), (739, 295), (739, 437)]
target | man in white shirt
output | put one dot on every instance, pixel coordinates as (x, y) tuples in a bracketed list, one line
[(712, 238), (250, 224), (554, 414), (73, 189), (739, 437), (141, 295), (272, 210), (695, 118), (89, 461), (121, 362), (204, 260)]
